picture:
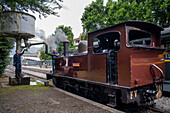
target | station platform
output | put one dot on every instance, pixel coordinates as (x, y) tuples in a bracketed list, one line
[(166, 83)]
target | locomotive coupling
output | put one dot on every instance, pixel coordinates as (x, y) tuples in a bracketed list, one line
[(159, 94)]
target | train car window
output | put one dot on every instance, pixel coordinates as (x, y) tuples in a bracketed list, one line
[(141, 38), (168, 55), (105, 42)]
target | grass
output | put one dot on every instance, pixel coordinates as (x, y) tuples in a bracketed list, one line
[(3, 76), (32, 80), (31, 88), (38, 86), (14, 89)]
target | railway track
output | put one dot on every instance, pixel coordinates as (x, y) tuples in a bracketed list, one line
[(136, 109), (10, 69)]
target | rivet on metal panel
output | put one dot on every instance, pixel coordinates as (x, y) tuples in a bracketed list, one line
[(136, 82)]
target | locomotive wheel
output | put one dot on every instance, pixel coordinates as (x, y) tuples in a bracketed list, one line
[(75, 89), (81, 92), (85, 93), (99, 96), (91, 96)]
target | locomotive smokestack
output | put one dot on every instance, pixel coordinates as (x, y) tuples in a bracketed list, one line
[(66, 45)]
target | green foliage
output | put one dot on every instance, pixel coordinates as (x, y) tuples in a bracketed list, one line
[(84, 36), (154, 11), (43, 7), (93, 16), (68, 32), (60, 48), (5, 45), (44, 56)]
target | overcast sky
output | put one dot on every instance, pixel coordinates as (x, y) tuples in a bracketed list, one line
[(70, 15)]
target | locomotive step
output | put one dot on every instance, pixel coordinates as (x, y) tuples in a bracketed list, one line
[(112, 100)]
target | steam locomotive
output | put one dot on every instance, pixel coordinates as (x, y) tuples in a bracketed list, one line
[(122, 63)]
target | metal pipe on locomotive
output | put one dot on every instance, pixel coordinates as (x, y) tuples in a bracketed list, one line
[(123, 64)]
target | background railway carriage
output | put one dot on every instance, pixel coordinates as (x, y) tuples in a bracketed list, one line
[(165, 41), (117, 67)]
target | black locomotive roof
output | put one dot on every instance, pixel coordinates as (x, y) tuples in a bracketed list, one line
[(139, 24)]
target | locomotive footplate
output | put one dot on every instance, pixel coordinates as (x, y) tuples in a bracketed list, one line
[(108, 94), (100, 92)]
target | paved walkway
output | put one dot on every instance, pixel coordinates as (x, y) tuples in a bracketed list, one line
[(37, 99)]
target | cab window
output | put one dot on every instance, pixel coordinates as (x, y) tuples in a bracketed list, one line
[(139, 38), (105, 42)]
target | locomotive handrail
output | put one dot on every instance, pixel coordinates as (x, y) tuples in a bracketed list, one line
[(153, 72)]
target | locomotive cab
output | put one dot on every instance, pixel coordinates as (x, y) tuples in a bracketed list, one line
[(145, 55)]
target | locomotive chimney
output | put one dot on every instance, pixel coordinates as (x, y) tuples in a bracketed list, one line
[(66, 45)]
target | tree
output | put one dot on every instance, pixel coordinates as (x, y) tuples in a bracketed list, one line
[(5, 45), (68, 32), (44, 56), (93, 16), (120, 11), (43, 7), (154, 11), (160, 11), (84, 36), (61, 33)]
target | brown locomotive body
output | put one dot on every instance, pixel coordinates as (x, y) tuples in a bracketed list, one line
[(123, 64)]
